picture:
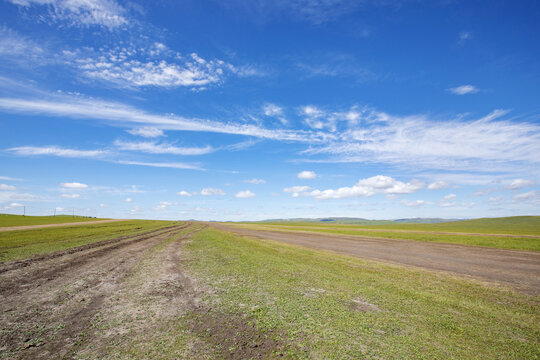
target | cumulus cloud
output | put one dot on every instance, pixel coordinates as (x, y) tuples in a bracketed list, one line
[(464, 89), (306, 175), (7, 187), (183, 193), (70, 196), (255, 181), (520, 183), (56, 151), (438, 185), (379, 184), (146, 131), (73, 185), (128, 200), (244, 194), (212, 191)]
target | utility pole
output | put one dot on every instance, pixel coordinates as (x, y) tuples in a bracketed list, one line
[(73, 213), (54, 211), (24, 211)]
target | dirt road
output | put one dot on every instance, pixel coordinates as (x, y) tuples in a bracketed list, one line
[(129, 297), (519, 269), (29, 227)]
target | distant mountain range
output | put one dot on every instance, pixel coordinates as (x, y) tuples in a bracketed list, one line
[(361, 221)]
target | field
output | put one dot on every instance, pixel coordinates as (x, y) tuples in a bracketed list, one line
[(19, 220), (21, 244), (518, 233), (189, 290)]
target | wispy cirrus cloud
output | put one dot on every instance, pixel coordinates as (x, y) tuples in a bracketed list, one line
[(56, 151), (81, 13), (162, 148), (485, 144), (122, 115), (146, 131), (171, 165)]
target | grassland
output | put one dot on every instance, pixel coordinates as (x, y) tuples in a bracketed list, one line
[(21, 244), (515, 225), (469, 232), (336, 307), (19, 220)]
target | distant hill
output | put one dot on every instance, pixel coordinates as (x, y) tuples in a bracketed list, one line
[(358, 221)]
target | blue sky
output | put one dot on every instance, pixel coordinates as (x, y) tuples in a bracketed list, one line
[(247, 110)]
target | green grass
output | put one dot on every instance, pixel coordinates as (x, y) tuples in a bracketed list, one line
[(21, 244), (515, 225), (500, 242), (309, 296), (7, 220)]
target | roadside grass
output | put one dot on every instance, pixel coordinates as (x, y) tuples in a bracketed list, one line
[(500, 242), (337, 307), (7, 220), (21, 244), (514, 225)]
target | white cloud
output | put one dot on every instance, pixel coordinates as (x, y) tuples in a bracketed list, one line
[(379, 184), (136, 67), (146, 131), (525, 196), (244, 194), (413, 203), (7, 187), (449, 197), (272, 110), (438, 185), (69, 106), (306, 175), (448, 200), (255, 181), (14, 45), (128, 200), (296, 190), (485, 144), (8, 178), (172, 165), (463, 90), (74, 185), (183, 193), (102, 205), (56, 151), (520, 183), (13, 205), (82, 13), (164, 205), (155, 148), (212, 191), (70, 196)]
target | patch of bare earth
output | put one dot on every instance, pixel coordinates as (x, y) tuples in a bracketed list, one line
[(125, 298)]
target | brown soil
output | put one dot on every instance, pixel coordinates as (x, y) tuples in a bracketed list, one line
[(120, 298), (519, 269), (30, 227)]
